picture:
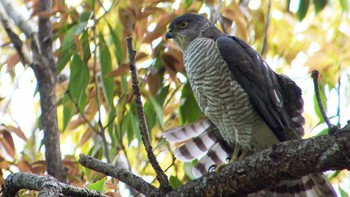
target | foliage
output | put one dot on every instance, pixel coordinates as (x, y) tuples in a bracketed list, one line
[(96, 107)]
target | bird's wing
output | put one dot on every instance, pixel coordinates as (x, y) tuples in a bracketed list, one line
[(271, 94)]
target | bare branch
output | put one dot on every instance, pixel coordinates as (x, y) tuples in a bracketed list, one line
[(315, 75), (162, 178), (17, 17), (46, 185), (44, 69), (266, 27), (119, 173), (16, 41)]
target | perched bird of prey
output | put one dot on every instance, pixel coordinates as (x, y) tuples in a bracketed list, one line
[(247, 103)]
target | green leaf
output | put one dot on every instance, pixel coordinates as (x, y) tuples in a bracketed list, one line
[(68, 46), (86, 46), (68, 110), (85, 16), (98, 185), (68, 41), (323, 101), (343, 193), (157, 109), (319, 5), (162, 94), (344, 5), (150, 114), (161, 142), (125, 84), (302, 10), (131, 127), (323, 132), (79, 80), (188, 3), (118, 45), (111, 116), (106, 67), (174, 182), (288, 5), (189, 111), (63, 60)]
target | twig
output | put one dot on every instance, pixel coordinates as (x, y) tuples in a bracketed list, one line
[(267, 23), (315, 75), (338, 92), (81, 113), (98, 99), (47, 185), (16, 41), (121, 174), (15, 14), (162, 178)]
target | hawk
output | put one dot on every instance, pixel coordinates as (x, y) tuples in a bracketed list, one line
[(246, 102)]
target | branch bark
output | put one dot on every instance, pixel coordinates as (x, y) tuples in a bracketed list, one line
[(162, 178), (289, 160), (44, 69), (16, 41), (46, 185), (43, 65), (121, 174)]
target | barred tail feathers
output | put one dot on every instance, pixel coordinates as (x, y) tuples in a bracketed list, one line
[(183, 133), (313, 185), (202, 141)]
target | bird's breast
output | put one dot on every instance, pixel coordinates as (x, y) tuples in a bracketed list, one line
[(219, 95)]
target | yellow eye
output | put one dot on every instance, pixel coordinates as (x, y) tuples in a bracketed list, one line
[(183, 24)]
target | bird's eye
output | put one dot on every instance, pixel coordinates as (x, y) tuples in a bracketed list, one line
[(183, 24)]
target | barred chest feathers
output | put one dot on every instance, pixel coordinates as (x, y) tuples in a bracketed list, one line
[(222, 99)]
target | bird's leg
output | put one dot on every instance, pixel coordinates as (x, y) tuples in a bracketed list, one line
[(235, 153)]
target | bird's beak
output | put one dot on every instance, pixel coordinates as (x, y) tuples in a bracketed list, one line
[(169, 35)]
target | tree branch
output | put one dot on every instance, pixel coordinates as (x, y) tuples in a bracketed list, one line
[(46, 185), (289, 160), (266, 27), (162, 178), (119, 173), (44, 70), (315, 75), (16, 41), (17, 17)]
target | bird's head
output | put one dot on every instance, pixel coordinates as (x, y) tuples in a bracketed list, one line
[(185, 28)]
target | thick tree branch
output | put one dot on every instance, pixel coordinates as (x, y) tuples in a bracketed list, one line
[(162, 178), (43, 65), (119, 173), (289, 160), (44, 69), (46, 185)]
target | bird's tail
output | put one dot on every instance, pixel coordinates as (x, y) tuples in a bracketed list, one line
[(201, 141), (313, 185)]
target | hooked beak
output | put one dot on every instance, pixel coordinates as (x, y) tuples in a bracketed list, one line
[(169, 35)]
